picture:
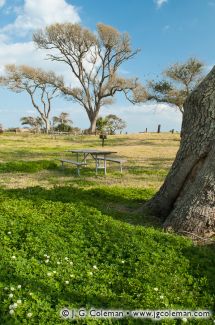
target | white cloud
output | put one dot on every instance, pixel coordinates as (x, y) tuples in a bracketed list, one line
[(38, 13), (159, 3), (2, 2), (147, 115), (35, 14), (26, 53)]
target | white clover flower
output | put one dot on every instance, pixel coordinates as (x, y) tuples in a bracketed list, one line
[(58, 263), (19, 301), (29, 315), (30, 293), (19, 286), (15, 305), (12, 289), (9, 232), (54, 272), (184, 320), (11, 307), (13, 257), (72, 276), (156, 289), (11, 312), (95, 267), (161, 297), (48, 256), (46, 261), (5, 288), (49, 274), (45, 255), (67, 282), (66, 258), (71, 263), (122, 262), (10, 295)]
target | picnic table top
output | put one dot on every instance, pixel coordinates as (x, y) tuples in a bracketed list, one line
[(93, 151)]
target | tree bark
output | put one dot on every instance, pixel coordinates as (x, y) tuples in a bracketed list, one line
[(93, 119), (186, 200), (47, 125)]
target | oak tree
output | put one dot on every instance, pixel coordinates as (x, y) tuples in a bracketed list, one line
[(179, 81), (110, 124), (40, 85), (186, 200), (94, 60)]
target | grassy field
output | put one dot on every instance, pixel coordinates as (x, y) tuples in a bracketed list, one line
[(69, 241)]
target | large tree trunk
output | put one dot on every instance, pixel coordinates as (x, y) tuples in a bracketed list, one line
[(186, 200), (93, 119), (47, 125)]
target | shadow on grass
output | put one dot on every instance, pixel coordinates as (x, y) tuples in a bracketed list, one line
[(202, 263), (119, 203), (27, 166)]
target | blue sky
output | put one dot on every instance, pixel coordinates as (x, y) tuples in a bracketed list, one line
[(167, 31)]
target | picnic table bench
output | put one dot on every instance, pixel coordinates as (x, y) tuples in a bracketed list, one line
[(116, 160), (74, 162)]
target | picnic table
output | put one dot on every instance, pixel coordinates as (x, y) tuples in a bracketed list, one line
[(97, 155)]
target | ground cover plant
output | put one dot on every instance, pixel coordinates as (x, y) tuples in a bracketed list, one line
[(80, 242)]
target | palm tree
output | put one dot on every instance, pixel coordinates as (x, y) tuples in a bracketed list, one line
[(36, 123), (62, 122)]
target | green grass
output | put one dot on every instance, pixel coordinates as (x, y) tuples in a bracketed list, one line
[(27, 166), (113, 256), (132, 260)]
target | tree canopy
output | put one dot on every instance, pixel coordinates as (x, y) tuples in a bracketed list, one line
[(62, 122), (36, 123), (40, 85), (110, 124), (179, 81), (94, 60)]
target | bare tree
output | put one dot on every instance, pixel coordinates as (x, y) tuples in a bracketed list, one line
[(180, 80), (40, 85), (94, 61)]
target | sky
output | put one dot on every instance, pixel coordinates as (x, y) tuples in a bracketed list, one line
[(166, 31)]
